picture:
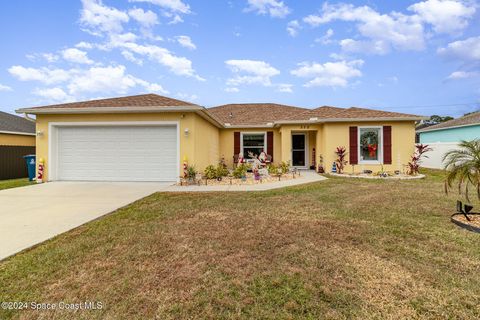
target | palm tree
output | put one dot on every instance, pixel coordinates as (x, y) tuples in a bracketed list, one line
[(463, 165)]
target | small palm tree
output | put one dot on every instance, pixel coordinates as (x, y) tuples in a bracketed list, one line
[(463, 165)]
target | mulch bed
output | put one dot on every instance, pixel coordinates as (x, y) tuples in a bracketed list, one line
[(472, 225)]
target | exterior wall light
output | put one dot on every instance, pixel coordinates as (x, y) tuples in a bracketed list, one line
[(39, 133), (186, 132)]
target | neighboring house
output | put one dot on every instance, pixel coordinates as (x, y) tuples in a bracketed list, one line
[(445, 136), (149, 137), (17, 138)]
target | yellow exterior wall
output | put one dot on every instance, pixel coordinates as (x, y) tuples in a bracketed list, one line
[(190, 145), (403, 144), (226, 143), (206, 143), (16, 140)]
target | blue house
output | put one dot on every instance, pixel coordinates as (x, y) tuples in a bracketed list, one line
[(445, 136)]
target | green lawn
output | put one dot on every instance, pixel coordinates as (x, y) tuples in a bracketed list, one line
[(14, 183), (337, 249)]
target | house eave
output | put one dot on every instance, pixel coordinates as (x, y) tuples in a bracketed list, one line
[(108, 109), (17, 133)]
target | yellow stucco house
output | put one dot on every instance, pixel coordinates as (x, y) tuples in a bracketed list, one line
[(148, 137)]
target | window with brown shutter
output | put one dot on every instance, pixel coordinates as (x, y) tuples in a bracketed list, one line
[(387, 145), (353, 145), (270, 143)]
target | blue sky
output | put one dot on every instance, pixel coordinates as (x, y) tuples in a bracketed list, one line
[(419, 57)]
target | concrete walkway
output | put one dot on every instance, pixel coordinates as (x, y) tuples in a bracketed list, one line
[(306, 176), (30, 215)]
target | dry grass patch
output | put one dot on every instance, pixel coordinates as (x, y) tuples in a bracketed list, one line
[(337, 249)]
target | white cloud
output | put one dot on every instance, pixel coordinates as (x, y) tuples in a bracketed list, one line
[(293, 27), (457, 75), (446, 16), (232, 90), (284, 87), (5, 88), (383, 30), (250, 72), (146, 19), (98, 18), (49, 57), (326, 38), (44, 75), (177, 65), (131, 57), (329, 74), (464, 50), (371, 47), (102, 79), (76, 56), (77, 82), (176, 19), (54, 95), (84, 45), (186, 42), (171, 5), (274, 8)]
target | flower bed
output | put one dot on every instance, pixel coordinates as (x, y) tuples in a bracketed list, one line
[(391, 176), (248, 180)]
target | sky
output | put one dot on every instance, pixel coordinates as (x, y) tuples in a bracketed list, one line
[(419, 57)]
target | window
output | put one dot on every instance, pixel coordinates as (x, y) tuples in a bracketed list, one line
[(370, 144), (254, 143)]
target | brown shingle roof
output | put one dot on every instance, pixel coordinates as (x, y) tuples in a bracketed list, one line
[(143, 100), (321, 112), (362, 113), (254, 113), (471, 119), (12, 123)]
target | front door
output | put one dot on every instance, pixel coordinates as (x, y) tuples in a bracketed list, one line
[(298, 150)]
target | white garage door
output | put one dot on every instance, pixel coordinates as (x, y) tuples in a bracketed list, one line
[(117, 153)]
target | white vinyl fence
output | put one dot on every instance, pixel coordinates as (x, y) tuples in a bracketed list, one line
[(435, 156)]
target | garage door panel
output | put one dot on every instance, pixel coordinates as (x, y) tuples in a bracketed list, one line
[(117, 153)]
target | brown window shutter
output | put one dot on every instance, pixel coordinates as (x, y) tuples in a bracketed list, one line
[(387, 144), (270, 143), (353, 145), (236, 142)]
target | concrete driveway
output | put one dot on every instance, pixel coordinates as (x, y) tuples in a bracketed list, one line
[(32, 214)]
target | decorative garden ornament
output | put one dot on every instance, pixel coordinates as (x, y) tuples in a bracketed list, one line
[(262, 157), (241, 159)]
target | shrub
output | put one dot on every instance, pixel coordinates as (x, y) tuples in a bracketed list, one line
[(191, 172), (272, 169), (285, 167), (221, 170), (341, 153), (240, 171), (210, 172), (414, 164)]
